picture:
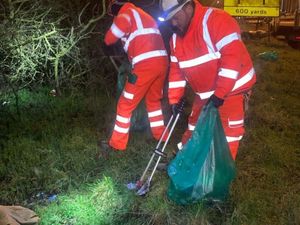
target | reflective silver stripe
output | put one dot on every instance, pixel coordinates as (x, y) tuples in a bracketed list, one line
[(177, 84), (138, 19), (227, 40), (232, 74), (125, 16), (157, 123), (122, 119), (206, 35), (121, 129), (148, 55), (200, 60), (138, 33), (235, 122), (205, 95), (240, 82), (232, 139), (174, 41), (116, 31), (155, 113), (173, 58), (191, 127), (128, 95), (179, 145)]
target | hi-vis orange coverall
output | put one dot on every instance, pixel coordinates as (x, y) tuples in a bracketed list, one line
[(145, 48), (212, 58)]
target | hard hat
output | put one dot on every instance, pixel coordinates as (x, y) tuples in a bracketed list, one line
[(114, 6), (171, 7)]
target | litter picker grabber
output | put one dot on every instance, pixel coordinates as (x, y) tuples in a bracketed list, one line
[(143, 185)]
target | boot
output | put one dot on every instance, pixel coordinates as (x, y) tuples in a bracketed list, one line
[(104, 149)]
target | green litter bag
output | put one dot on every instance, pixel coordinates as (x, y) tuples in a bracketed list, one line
[(204, 168), (139, 118)]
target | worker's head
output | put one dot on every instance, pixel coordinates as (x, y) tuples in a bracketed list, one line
[(115, 6), (179, 13)]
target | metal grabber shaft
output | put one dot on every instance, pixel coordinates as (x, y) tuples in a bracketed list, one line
[(157, 146), (144, 187), (164, 146)]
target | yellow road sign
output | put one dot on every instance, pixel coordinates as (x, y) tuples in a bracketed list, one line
[(252, 7)]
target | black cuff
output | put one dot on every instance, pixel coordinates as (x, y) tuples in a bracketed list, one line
[(216, 101)]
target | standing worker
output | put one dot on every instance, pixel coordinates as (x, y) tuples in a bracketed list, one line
[(145, 49), (208, 53)]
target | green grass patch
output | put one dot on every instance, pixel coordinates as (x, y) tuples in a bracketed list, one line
[(99, 203)]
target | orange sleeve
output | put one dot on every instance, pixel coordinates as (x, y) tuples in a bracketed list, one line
[(177, 80), (120, 28), (225, 34)]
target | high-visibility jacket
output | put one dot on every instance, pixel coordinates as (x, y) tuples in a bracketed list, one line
[(139, 34), (210, 56)]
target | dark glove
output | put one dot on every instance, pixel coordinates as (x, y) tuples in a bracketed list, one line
[(178, 107), (115, 49), (216, 101)]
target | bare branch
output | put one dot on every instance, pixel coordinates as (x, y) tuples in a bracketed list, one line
[(94, 20), (80, 14), (35, 39)]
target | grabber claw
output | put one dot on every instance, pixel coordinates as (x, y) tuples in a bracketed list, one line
[(144, 189), (134, 185)]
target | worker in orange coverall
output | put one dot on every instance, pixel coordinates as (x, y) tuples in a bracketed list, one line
[(142, 41), (208, 53)]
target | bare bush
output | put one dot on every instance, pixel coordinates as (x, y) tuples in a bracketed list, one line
[(39, 43)]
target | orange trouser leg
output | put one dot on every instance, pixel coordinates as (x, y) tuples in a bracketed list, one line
[(147, 74), (233, 147), (153, 103), (128, 101), (232, 117)]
